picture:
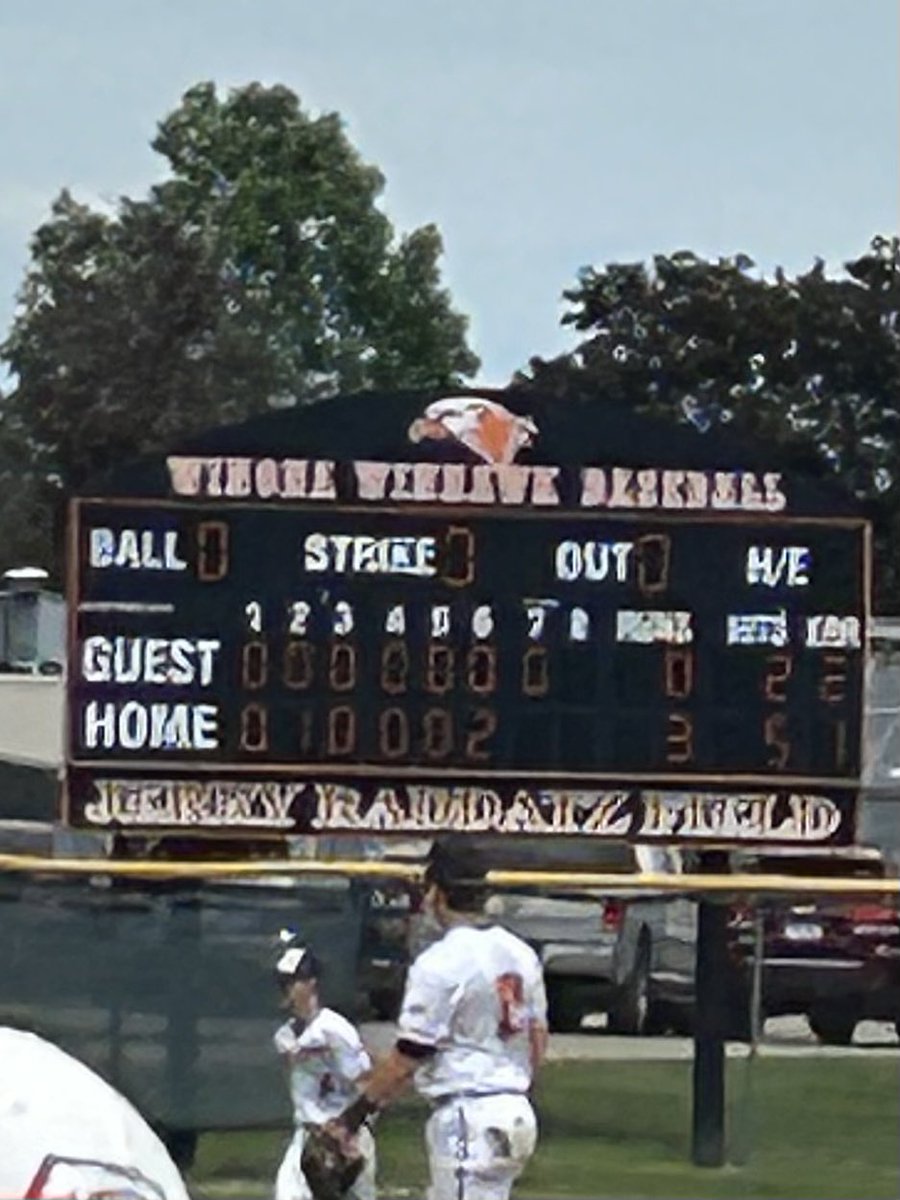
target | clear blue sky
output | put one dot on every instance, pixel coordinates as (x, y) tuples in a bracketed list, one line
[(540, 135)]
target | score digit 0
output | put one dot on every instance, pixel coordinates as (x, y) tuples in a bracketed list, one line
[(678, 673), (653, 554), (394, 667), (254, 734), (342, 667), (212, 551), (255, 665)]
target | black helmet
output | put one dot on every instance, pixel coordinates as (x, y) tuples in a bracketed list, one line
[(458, 866), (294, 961)]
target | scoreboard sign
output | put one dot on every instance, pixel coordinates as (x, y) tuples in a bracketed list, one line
[(461, 640)]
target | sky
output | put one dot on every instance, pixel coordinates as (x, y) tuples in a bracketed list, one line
[(540, 136)]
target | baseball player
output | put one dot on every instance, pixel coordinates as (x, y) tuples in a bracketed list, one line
[(472, 1031), (326, 1062)]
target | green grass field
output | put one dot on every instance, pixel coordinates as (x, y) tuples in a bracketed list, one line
[(821, 1129)]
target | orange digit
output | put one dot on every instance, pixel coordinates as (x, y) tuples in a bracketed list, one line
[(652, 553), (394, 667), (833, 684), (535, 671), (840, 744), (439, 669), (393, 733), (437, 725), (680, 739), (254, 665), (299, 658), (341, 730), (458, 557), (254, 728), (678, 668), (779, 672), (306, 731), (212, 551), (484, 725), (776, 736), (342, 670), (481, 670)]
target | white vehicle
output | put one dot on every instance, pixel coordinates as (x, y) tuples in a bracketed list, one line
[(595, 945)]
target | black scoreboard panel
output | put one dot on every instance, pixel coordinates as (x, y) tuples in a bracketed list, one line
[(476, 644)]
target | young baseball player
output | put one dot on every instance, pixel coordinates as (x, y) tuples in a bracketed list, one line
[(472, 1031), (326, 1062)]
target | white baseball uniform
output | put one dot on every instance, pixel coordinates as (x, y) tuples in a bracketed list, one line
[(473, 997), (325, 1059), (65, 1132)]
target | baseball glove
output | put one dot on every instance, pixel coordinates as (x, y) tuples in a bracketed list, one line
[(331, 1166)]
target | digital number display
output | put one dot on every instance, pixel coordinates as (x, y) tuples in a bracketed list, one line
[(578, 646)]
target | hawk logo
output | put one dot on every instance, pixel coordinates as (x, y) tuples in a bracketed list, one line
[(486, 428)]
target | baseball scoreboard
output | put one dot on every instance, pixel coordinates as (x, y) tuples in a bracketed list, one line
[(316, 663)]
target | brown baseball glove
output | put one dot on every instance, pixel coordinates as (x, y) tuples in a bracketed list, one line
[(330, 1163)]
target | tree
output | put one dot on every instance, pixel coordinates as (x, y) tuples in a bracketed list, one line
[(812, 363), (261, 272)]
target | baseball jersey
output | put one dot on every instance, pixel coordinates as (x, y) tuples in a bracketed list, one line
[(473, 996), (325, 1059)]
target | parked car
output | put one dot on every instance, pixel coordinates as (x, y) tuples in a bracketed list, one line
[(835, 960), (586, 939), (385, 946), (633, 954), (390, 923), (591, 962)]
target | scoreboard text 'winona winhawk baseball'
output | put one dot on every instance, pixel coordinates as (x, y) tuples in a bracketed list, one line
[(486, 612)]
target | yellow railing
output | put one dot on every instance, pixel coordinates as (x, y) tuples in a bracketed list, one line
[(225, 869)]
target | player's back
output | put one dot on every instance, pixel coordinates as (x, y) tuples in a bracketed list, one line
[(474, 996)]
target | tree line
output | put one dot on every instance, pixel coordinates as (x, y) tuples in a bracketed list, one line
[(261, 272)]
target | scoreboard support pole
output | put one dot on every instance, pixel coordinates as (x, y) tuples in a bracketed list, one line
[(710, 1022)]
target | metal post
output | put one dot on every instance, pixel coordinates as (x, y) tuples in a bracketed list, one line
[(711, 1012), (743, 1137)]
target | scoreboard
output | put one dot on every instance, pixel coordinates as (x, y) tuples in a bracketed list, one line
[(309, 667), (597, 647)]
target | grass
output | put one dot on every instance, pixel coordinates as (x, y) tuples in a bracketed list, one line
[(810, 1129)]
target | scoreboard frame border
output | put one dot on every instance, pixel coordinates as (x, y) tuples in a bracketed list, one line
[(678, 518)]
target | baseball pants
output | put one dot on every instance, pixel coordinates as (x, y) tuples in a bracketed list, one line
[(478, 1146), (290, 1182)]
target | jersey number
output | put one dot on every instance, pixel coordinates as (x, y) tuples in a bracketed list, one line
[(511, 995)]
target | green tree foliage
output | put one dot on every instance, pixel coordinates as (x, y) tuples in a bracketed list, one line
[(260, 272), (812, 363)]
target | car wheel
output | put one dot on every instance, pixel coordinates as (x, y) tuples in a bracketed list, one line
[(834, 1026), (565, 1009), (631, 1011)]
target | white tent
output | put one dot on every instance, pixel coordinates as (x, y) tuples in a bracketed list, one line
[(65, 1133)]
